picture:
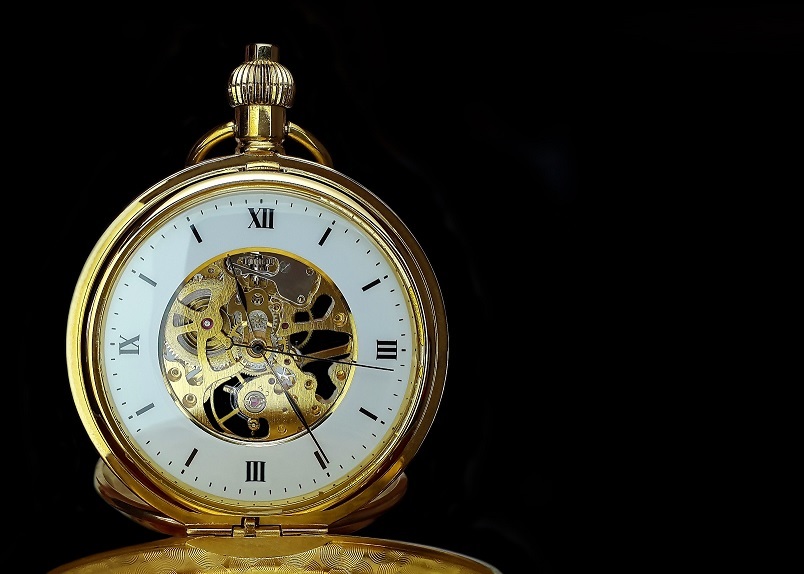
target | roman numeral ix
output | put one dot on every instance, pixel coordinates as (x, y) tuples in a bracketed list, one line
[(129, 346)]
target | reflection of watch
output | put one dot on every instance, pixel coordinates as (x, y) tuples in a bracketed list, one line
[(257, 347)]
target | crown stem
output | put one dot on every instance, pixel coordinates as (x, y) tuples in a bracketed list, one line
[(261, 90)]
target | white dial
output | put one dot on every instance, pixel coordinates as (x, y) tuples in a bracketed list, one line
[(259, 343)]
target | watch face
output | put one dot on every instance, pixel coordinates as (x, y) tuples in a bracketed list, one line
[(256, 341)]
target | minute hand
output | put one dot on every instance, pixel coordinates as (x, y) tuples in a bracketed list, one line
[(293, 404)]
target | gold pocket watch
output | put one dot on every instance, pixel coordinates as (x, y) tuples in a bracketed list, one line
[(257, 346)]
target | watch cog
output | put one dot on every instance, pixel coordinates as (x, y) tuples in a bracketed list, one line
[(196, 308)]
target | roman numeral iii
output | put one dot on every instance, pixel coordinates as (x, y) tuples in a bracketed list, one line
[(386, 349)]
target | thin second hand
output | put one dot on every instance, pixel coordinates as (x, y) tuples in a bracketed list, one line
[(300, 356)]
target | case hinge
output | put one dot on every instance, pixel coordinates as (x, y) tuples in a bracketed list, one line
[(250, 527)]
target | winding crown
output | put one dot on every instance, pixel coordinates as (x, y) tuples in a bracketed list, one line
[(261, 80)]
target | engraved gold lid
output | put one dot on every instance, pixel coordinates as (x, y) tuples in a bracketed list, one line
[(285, 555)]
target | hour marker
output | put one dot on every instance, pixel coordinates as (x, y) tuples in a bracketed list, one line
[(129, 346), (145, 409), (262, 218), (370, 285), (148, 280), (190, 458), (195, 232), (324, 237), (369, 414), (386, 350)]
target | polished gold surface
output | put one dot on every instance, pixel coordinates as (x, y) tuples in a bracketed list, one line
[(216, 135), (285, 555)]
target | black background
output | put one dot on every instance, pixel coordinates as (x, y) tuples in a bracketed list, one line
[(579, 180)]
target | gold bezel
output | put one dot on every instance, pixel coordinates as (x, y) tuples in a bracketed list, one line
[(185, 186)]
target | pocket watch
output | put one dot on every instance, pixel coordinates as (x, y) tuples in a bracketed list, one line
[(257, 346)]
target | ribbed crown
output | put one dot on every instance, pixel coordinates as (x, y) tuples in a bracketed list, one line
[(261, 80)]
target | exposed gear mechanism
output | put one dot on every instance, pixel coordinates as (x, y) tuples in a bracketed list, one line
[(229, 362)]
